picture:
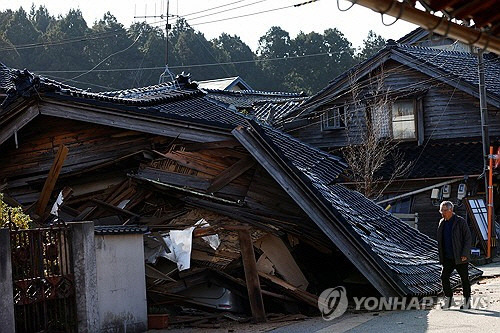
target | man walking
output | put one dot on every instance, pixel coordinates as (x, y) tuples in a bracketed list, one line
[(454, 243)]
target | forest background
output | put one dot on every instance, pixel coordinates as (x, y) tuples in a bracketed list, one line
[(109, 56)]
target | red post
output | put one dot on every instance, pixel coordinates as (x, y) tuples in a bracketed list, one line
[(490, 202)]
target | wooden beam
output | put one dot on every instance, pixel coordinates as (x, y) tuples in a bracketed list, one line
[(230, 174), (135, 122), (433, 23), (251, 276), (212, 145), (114, 208), (51, 180), (19, 122)]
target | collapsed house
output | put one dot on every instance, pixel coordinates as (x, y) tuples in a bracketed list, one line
[(178, 162)]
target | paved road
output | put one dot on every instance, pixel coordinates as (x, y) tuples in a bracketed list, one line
[(484, 319)]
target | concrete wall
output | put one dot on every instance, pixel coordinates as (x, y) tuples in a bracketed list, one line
[(6, 289), (121, 285)]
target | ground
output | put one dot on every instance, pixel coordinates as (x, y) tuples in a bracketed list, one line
[(433, 319)]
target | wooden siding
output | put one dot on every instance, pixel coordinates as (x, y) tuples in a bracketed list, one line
[(447, 112), (88, 144)]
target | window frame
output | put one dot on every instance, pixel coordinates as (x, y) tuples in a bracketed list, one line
[(340, 117), (415, 120)]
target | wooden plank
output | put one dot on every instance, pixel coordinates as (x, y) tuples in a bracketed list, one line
[(230, 174), (212, 145), (291, 290), (50, 182), (251, 276), (278, 254), (113, 208), (18, 123)]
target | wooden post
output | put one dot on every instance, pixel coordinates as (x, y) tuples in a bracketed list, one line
[(50, 182), (251, 276)]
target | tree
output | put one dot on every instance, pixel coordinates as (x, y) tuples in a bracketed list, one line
[(370, 145), (19, 31), (114, 49), (275, 44), (41, 18), (371, 45), (13, 214), (69, 55), (152, 50), (233, 49)]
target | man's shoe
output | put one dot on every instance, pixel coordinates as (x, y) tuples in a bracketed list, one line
[(447, 303), (466, 304)]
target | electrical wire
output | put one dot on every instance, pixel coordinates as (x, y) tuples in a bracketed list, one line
[(94, 36), (244, 15), (209, 9), (196, 65), (111, 55), (227, 10)]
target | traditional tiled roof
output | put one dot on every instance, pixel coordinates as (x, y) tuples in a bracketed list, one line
[(461, 158), (226, 83), (448, 66), (408, 257), (275, 111), (247, 98), (428, 161), (460, 65), (119, 229)]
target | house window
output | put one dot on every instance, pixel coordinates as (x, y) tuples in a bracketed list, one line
[(403, 119), (333, 118)]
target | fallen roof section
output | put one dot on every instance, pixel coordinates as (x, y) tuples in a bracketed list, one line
[(397, 259)]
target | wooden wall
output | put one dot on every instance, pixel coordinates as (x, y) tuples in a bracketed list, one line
[(448, 112), (88, 144)]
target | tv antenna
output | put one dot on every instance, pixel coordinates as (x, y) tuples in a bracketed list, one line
[(167, 75)]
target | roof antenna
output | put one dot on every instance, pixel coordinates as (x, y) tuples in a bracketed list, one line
[(167, 75)]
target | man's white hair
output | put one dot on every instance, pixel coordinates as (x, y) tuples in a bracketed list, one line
[(448, 205)]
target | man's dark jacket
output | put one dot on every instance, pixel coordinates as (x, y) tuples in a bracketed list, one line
[(461, 239)]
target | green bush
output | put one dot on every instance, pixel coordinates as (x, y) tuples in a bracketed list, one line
[(15, 214)]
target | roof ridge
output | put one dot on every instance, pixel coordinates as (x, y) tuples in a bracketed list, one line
[(256, 92), (432, 49)]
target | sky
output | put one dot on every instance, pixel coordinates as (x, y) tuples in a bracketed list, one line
[(317, 16)]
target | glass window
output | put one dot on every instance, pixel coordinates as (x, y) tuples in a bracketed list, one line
[(403, 119), (333, 117)]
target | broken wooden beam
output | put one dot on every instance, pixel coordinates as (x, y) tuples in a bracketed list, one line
[(230, 174), (251, 276), (51, 180)]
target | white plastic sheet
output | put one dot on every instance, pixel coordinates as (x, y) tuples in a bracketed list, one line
[(180, 243), (212, 240)]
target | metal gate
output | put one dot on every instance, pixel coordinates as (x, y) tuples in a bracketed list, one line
[(42, 273)]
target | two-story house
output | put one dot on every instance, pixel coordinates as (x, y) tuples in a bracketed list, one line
[(423, 102)]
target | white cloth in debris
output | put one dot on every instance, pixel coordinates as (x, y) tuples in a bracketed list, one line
[(55, 207), (179, 243), (212, 240)]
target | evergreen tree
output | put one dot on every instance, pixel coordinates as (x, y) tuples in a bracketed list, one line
[(371, 45)]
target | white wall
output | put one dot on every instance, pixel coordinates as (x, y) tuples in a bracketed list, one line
[(121, 283)]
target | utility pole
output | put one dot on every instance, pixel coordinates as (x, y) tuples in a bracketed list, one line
[(487, 150)]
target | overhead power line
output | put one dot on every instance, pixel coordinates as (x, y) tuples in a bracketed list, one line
[(196, 65), (245, 15), (227, 10)]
